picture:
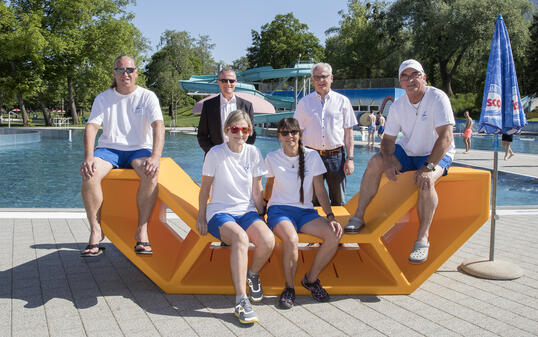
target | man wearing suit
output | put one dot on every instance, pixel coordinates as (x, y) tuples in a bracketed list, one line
[(216, 110)]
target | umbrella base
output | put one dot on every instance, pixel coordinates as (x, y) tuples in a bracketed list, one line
[(491, 270)]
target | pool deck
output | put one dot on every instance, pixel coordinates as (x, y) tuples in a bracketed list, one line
[(47, 289)]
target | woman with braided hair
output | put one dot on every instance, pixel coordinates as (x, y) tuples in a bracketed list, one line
[(294, 173)]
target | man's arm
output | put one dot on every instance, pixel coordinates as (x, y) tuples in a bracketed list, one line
[(152, 164), (250, 111), (441, 144), (203, 130), (349, 166), (87, 169)]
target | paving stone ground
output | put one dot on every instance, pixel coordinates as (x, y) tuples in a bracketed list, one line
[(46, 289)]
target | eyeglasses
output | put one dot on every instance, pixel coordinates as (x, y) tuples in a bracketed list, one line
[(121, 71), (227, 80), (412, 76), (235, 129), (320, 77), (286, 133)]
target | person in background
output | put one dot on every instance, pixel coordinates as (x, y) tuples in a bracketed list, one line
[(467, 132), (327, 119), (507, 143)]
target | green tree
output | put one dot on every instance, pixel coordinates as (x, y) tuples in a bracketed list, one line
[(531, 71), (241, 64), (282, 42), (180, 56), (361, 47), (21, 63), (447, 34)]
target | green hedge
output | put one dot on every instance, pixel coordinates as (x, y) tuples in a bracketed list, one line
[(462, 102)]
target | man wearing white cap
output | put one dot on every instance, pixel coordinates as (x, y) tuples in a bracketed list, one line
[(424, 117)]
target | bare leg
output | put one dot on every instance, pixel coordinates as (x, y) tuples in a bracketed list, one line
[(320, 228), (264, 241), (92, 198), (232, 234), (290, 255), (426, 206), (145, 199)]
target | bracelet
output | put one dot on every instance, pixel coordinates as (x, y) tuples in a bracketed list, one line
[(330, 214)]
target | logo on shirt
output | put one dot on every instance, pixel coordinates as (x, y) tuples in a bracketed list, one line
[(424, 116), (139, 110)]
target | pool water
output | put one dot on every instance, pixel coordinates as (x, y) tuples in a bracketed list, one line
[(46, 174)]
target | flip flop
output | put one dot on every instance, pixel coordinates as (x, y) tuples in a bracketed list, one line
[(143, 251), (90, 247), (354, 225), (419, 254)]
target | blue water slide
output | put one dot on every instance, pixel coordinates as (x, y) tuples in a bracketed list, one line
[(208, 83)]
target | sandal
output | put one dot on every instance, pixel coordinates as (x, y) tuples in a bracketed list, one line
[(354, 225), (143, 251), (89, 248), (419, 254)]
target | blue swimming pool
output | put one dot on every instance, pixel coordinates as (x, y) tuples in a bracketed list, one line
[(45, 174)]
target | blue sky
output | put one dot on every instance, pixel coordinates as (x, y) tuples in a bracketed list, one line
[(229, 23)]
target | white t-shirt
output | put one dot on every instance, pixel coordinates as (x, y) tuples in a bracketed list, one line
[(232, 178), (324, 123), (418, 124), (126, 119), (287, 185)]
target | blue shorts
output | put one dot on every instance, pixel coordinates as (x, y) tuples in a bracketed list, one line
[(119, 158), (380, 130), (371, 128), (244, 221), (296, 215), (414, 163)]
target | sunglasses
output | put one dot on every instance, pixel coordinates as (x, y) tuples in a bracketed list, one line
[(236, 129), (286, 133), (122, 71), (320, 77), (227, 80)]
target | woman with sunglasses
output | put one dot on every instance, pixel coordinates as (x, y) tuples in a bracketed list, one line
[(232, 173), (294, 173)]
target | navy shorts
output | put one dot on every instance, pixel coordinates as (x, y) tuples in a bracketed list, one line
[(296, 215), (244, 221), (119, 158), (414, 163), (380, 130)]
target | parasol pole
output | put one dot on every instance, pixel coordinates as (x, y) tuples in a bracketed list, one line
[(494, 198)]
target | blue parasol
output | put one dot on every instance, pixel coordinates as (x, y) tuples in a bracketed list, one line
[(501, 113)]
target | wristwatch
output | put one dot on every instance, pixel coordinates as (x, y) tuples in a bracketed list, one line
[(430, 166), (349, 157)]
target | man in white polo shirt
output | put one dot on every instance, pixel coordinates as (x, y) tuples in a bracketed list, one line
[(133, 137), (327, 119), (424, 117)]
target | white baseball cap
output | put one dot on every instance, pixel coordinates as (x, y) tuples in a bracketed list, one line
[(410, 64)]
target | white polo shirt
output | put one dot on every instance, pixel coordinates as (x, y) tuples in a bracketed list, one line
[(126, 119), (417, 124), (232, 178), (323, 124), (287, 182)]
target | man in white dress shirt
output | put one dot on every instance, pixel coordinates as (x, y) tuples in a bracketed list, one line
[(327, 119)]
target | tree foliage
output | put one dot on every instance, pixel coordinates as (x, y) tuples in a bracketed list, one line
[(361, 47), (282, 42), (449, 35), (180, 56)]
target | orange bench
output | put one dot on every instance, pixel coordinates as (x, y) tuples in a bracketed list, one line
[(191, 265)]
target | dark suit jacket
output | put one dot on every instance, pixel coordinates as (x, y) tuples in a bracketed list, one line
[(210, 126)]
